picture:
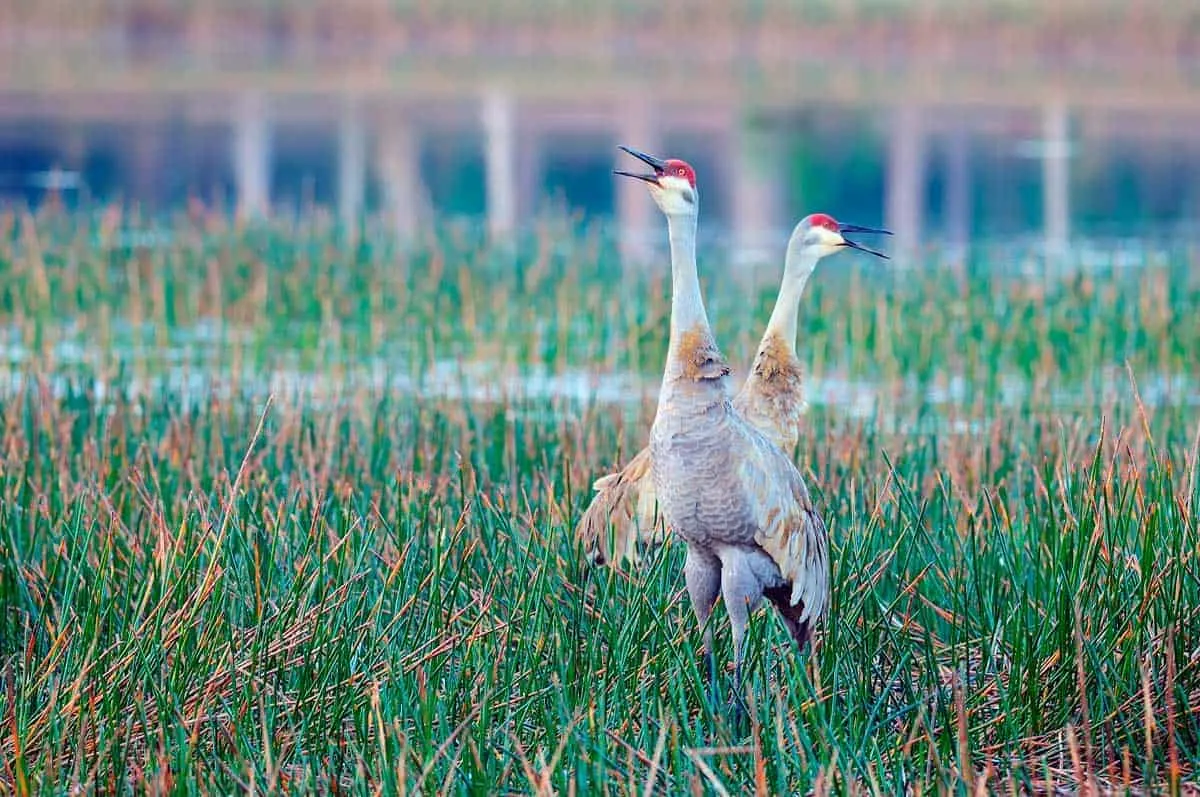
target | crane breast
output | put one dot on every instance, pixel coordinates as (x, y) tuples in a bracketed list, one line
[(728, 485)]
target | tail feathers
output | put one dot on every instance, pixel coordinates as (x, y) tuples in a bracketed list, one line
[(792, 616), (620, 519), (604, 481)]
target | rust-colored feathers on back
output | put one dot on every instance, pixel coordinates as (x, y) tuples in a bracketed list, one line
[(699, 357), (772, 399)]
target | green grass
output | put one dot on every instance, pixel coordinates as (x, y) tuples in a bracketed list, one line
[(351, 584)]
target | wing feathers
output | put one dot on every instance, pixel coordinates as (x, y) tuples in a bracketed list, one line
[(622, 512), (787, 526)]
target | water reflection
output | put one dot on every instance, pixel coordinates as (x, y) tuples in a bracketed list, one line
[(999, 120)]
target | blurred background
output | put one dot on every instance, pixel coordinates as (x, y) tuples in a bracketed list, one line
[(950, 122)]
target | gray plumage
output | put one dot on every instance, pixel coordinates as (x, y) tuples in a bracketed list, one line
[(623, 515), (734, 497), (738, 502)]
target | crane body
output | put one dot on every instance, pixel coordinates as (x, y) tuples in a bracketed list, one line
[(734, 497), (624, 516)]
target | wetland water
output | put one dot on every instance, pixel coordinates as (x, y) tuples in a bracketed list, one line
[(206, 358)]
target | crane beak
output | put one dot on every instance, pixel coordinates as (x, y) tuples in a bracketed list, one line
[(852, 228), (657, 164)]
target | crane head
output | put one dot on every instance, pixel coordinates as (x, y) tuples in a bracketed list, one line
[(826, 235), (672, 183)]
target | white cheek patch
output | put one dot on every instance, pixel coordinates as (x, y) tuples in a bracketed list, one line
[(674, 183), (828, 237)]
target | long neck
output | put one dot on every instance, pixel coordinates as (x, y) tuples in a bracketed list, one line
[(687, 305), (798, 267)]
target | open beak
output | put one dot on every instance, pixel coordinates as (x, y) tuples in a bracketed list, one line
[(657, 164), (852, 228)]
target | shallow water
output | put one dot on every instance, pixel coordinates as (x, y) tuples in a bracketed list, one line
[(197, 368)]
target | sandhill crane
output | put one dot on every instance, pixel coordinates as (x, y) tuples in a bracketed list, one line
[(623, 512), (732, 495)]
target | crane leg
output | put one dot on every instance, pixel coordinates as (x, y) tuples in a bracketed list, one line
[(742, 592), (702, 571)]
